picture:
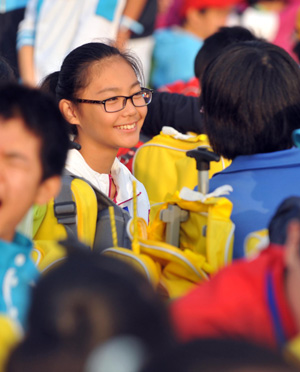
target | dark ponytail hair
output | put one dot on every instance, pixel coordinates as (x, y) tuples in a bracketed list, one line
[(49, 83)]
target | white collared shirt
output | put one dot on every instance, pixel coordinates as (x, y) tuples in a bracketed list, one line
[(122, 178)]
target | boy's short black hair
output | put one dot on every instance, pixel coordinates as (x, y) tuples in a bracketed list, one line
[(42, 117), (122, 302), (214, 44), (251, 99)]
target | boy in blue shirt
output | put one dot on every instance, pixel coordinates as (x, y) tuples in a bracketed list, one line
[(33, 148)]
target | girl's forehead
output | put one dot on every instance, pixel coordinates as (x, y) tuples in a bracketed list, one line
[(111, 70), (109, 63)]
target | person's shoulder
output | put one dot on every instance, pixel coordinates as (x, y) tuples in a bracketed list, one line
[(121, 168), (17, 254), (19, 242)]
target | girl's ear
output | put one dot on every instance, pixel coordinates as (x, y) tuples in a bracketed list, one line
[(69, 111)]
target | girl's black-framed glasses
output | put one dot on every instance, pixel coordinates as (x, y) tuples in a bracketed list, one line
[(118, 103)]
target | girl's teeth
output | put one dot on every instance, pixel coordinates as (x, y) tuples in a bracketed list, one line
[(131, 126)]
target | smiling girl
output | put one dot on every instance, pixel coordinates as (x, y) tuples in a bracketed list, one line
[(100, 94)]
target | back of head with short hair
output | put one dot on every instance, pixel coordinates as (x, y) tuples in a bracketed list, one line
[(214, 44), (81, 304), (251, 99), (91, 298), (42, 117)]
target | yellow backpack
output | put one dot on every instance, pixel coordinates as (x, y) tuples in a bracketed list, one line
[(162, 166), (205, 241), (79, 212)]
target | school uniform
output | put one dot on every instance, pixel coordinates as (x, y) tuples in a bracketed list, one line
[(260, 183), (122, 179)]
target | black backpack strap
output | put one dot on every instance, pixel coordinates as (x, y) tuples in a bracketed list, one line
[(65, 208)]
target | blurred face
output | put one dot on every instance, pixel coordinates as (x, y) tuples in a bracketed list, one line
[(20, 174), (109, 130), (209, 21)]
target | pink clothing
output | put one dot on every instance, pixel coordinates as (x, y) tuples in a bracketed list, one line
[(288, 19)]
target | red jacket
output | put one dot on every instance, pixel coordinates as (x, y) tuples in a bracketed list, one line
[(244, 300), (189, 88)]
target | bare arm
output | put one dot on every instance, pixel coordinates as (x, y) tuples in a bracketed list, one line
[(26, 65), (25, 43), (133, 10)]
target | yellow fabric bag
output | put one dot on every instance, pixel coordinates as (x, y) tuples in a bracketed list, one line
[(162, 166), (178, 269), (86, 202), (47, 253), (170, 270), (78, 212), (208, 230)]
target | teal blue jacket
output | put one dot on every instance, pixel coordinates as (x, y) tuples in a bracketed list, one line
[(17, 275)]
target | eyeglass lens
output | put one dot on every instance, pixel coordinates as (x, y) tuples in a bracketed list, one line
[(140, 99)]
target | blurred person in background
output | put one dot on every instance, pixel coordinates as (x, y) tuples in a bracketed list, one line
[(11, 13), (52, 28), (176, 47), (274, 20)]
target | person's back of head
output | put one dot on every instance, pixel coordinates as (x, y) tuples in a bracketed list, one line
[(216, 43), (251, 99), (90, 299)]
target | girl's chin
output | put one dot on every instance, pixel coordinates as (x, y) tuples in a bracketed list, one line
[(130, 142)]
